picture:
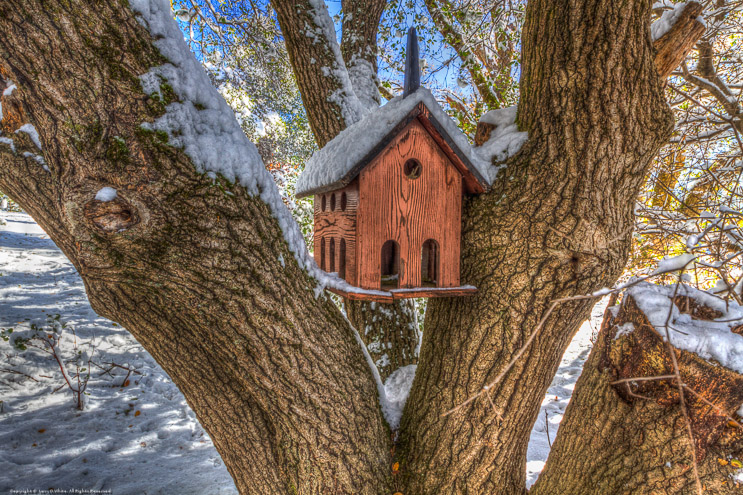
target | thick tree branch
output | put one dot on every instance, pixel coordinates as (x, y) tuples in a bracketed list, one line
[(671, 48), (274, 374), (556, 223), (359, 46), (322, 77), (628, 388), (670, 51)]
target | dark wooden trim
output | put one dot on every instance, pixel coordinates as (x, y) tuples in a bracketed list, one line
[(385, 297), (433, 292), (390, 296), (475, 182)]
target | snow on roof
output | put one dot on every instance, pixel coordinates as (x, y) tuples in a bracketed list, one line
[(332, 164), (710, 340)]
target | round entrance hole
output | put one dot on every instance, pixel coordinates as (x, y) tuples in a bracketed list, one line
[(413, 168)]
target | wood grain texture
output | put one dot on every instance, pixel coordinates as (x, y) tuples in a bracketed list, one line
[(409, 211), (337, 224), (474, 183)]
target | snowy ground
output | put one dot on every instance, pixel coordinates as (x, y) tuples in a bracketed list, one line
[(558, 395), (139, 439), (142, 439)]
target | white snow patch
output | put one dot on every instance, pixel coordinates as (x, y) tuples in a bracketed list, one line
[(397, 387), (710, 340), (106, 194), (204, 126), (331, 163), (9, 142), (364, 80), (666, 21), (674, 264), (38, 158), (505, 140), (9, 90), (624, 329), (32, 132)]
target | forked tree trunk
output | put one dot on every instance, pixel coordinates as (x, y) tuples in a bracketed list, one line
[(556, 223), (276, 375), (197, 270)]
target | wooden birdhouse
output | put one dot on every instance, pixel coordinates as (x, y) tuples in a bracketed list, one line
[(388, 197)]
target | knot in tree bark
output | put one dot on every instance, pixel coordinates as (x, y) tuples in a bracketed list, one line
[(112, 216)]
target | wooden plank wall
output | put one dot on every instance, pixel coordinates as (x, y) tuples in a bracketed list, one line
[(338, 224), (409, 211)]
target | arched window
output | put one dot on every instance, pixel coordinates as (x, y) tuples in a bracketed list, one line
[(430, 263), (322, 253), (332, 202), (323, 201), (342, 259), (344, 201), (332, 255), (390, 265)]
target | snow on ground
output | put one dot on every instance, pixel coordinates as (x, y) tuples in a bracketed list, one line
[(47, 443), (558, 395)]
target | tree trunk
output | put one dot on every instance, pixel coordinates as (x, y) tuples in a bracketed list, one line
[(556, 223), (359, 47), (639, 438), (274, 374), (390, 332), (327, 93)]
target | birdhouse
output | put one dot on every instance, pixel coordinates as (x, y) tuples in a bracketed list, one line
[(388, 197)]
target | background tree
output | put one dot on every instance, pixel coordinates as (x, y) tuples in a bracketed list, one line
[(229, 303)]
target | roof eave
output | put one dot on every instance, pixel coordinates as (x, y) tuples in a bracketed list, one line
[(474, 182)]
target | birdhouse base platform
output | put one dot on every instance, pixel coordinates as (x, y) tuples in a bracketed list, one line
[(383, 296)]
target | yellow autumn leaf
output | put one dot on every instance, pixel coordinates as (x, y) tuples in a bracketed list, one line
[(722, 462), (736, 464), (395, 467)]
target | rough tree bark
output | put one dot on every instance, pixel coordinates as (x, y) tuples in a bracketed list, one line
[(359, 47), (645, 446), (390, 332), (556, 223), (318, 66), (276, 375)]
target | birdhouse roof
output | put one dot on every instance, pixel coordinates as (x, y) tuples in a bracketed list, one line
[(342, 159)]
